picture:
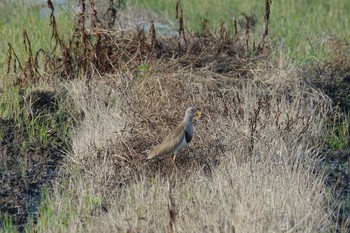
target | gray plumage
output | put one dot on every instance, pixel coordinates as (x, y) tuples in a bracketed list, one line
[(178, 138)]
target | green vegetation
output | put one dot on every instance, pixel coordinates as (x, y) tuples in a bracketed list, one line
[(6, 224), (301, 27), (33, 17), (339, 134), (10, 102), (22, 110)]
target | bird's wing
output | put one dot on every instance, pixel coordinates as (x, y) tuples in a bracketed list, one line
[(169, 143)]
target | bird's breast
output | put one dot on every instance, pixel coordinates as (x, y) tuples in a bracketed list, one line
[(188, 133)]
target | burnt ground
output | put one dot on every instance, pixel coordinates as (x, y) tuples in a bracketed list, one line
[(332, 76), (337, 165), (26, 164)]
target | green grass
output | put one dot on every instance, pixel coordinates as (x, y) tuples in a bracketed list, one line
[(6, 224), (46, 213), (301, 26), (338, 138), (35, 128), (21, 15), (10, 102)]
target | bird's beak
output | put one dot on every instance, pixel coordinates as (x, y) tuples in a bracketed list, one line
[(198, 115)]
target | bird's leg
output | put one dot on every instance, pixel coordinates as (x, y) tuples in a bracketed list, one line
[(174, 162), (174, 157)]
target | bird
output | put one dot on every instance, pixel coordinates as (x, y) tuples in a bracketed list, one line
[(177, 139)]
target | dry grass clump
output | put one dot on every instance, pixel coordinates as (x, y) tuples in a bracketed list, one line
[(252, 166), (249, 197)]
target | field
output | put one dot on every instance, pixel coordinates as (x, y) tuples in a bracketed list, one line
[(301, 26), (85, 97)]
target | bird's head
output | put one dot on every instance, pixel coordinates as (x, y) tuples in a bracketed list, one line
[(193, 112)]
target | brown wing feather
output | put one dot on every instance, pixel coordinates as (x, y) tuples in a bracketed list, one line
[(169, 143)]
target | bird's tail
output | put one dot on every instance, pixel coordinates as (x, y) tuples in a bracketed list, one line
[(154, 154), (149, 157)]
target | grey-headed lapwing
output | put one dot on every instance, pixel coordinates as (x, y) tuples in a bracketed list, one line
[(178, 138)]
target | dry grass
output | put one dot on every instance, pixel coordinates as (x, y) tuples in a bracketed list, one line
[(252, 167)]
